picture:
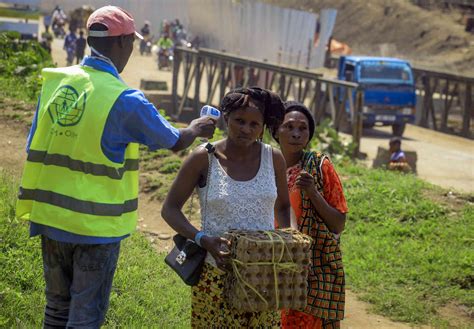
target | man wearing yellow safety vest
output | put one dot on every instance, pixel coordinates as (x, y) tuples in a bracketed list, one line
[(80, 183)]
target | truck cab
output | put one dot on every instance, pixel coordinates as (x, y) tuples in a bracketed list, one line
[(389, 89)]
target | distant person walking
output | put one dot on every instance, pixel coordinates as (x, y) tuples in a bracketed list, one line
[(47, 20), (80, 47), (79, 188), (70, 46)]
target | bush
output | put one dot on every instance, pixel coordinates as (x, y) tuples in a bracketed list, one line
[(327, 140), (21, 62)]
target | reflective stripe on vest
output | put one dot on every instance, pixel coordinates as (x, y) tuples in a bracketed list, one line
[(68, 183), (78, 165), (85, 207)]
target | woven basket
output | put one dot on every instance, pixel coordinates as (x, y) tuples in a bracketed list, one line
[(270, 270)]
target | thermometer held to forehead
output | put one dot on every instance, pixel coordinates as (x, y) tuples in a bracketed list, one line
[(211, 112)]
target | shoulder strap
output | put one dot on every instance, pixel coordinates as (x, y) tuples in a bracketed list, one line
[(312, 162), (267, 156), (210, 153)]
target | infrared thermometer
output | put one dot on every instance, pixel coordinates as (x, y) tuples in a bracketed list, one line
[(210, 112)]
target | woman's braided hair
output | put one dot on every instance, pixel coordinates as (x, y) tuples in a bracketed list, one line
[(268, 102)]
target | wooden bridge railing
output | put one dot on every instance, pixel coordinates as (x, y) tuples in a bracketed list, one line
[(435, 86), (204, 76)]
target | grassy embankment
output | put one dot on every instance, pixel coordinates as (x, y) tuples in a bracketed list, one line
[(407, 250), (404, 252), (15, 13)]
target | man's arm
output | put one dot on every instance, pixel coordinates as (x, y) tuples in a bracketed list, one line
[(201, 127), (133, 119)]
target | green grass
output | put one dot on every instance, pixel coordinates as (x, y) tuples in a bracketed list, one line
[(13, 13), (404, 252), (145, 293)]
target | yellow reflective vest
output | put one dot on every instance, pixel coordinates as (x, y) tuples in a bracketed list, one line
[(68, 183)]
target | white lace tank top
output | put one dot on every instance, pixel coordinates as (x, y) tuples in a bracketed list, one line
[(235, 204)]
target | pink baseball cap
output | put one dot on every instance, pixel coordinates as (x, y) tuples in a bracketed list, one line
[(117, 21)]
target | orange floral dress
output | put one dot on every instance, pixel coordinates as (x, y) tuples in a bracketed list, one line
[(332, 192)]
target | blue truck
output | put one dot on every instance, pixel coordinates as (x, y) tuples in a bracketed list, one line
[(389, 89)]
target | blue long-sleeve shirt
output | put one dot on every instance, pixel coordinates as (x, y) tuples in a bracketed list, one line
[(132, 119)]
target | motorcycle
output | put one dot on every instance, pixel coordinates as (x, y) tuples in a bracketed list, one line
[(165, 58), (145, 47), (58, 28)]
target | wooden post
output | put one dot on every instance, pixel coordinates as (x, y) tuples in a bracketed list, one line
[(431, 104), (282, 84), (313, 106), (330, 93), (223, 81), (197, 83), (174, 86), (468, 111), (357, 122), (444, 115), (317, 99), (289, 86), (426, 101), (341, 112), (300, 90)]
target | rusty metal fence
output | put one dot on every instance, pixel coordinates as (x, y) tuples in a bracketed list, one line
[(204, 76)]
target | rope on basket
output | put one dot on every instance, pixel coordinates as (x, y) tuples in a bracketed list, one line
[(288, 266)]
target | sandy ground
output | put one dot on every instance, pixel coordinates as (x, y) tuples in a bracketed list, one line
[(443, 160)]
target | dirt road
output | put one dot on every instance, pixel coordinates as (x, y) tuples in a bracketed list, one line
[(443, 160)]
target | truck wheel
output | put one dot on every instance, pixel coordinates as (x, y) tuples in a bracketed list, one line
[(398, 129)]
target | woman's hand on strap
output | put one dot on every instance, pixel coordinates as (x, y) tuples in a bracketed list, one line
[(219, 249)]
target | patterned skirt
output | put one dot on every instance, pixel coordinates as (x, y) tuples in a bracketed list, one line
[(291, 319), (210, 310)]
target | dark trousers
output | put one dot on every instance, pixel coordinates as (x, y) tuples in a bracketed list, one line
[(78, 282), (79, 57)]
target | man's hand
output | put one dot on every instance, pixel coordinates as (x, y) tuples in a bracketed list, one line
[(219, 249), (203, 127)]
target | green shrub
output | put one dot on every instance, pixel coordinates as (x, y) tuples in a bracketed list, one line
[(21, 62), (327, 140)]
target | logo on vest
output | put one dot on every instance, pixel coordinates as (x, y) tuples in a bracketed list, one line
[(67, 106)]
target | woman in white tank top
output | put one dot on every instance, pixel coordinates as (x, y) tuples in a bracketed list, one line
[(245, 188)]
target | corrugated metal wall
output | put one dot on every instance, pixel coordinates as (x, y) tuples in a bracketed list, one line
[(247, 28)]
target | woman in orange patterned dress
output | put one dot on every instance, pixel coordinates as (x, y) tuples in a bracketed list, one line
[(319, 210)]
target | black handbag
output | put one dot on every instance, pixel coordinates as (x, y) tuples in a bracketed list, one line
[(187, 258)]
